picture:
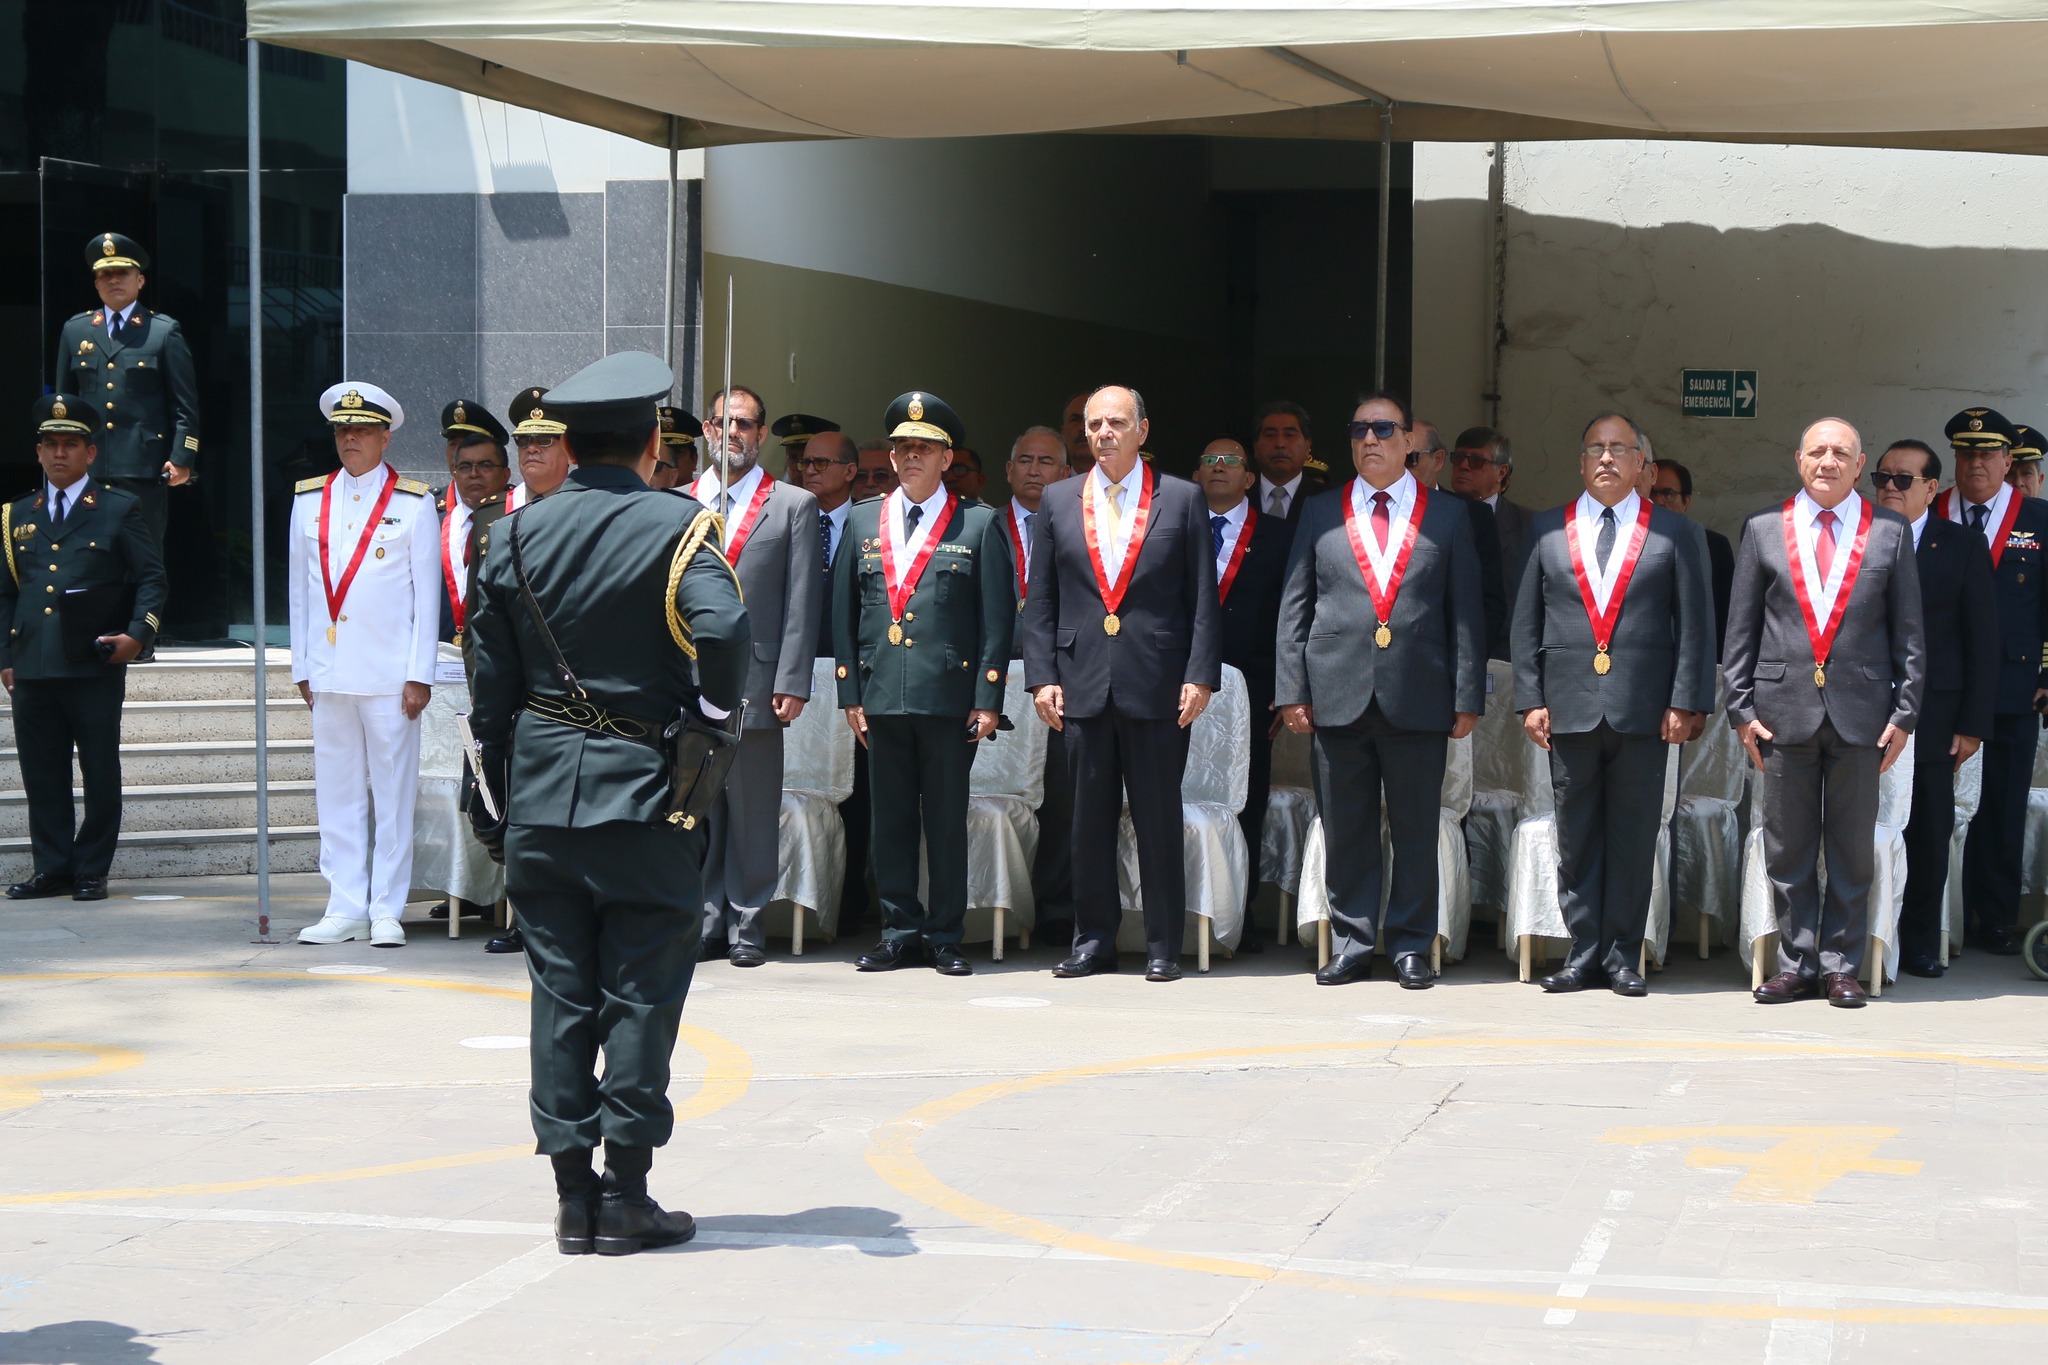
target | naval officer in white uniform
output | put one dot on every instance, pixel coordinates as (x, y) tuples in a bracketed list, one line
[(365, 574)]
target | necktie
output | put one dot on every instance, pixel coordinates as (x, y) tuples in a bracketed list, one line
[(1024, 530), (1604, 546), (1116, 512), (1382, 519), (113, 324), (825, 538), (1277, 503), (1217, 526), (57, 511), (1978, 516), (910, 520), (1824, 543)]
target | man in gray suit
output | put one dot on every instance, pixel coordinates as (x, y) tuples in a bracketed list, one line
[(771, 537), (1382, 655), (1614, 661), (1826, 660)]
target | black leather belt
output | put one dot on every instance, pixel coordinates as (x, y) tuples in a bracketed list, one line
[(584, 715)]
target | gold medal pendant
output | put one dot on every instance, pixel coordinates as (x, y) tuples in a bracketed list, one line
[(1110, 625), (1601, 663), (457, 641), (1820, 677), (330, 635), (1383, 636), (895, 632)]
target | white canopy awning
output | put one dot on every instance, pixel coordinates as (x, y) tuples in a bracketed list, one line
[(1917, 73)]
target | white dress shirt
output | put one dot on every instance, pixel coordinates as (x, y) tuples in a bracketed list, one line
[(741, 493), (1403, 494), (1115, 548), (1018, 512), (116, 321), (1266, 486), (1586, 525), (1958, 510), (1806, 529), (837, 518), (457, 533), (389, 634), (71, 491), (1236, 519), (909, 547), (1919, 525)]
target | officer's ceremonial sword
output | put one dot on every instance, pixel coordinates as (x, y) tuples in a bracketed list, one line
[(473, 754), (725, 438)]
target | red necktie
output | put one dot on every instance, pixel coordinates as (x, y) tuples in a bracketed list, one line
[(1382, 523), (1824, 544)]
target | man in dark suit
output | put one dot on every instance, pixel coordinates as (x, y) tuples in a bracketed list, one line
[(1038, 459), (924, 604), (1122, 650), (80, 600), (1251, 568), (1614, 661), (1671, 489), (1958, 605), (1826, 664), (1482, 465), (1428, 457), (2015, 528), (1283, 441), (1381, 653)]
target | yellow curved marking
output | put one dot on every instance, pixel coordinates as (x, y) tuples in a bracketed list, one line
[(19, 1091), (892, 1154), (728, 1071)]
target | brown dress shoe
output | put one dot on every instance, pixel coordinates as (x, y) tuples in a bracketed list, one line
[(1845, 991), (1786, 986)]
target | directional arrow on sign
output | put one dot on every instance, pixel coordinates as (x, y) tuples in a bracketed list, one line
[(1745, 394)]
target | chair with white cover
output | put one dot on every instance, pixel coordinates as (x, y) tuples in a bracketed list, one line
[(445, 855), (1758, 936), (1005, 789), (1453, 879), (2034, 860), (1217, 864), (1290, 809), (1969, 791), (817, 774), (1534, 913), (1706, 827), (1497, 760)]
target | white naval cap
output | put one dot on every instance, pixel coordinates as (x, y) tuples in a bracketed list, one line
[(353, 403)]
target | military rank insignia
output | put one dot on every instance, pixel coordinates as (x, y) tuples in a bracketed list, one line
[(994, 676), (841, 672)]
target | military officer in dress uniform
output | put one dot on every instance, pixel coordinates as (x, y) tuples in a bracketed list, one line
[(135, 368), (648, 619), (79, 601), (478, 476), (677, 463), (924, 602), (544, 458), (2027, 451), (2016, 528), (794, 433), (365, 588)]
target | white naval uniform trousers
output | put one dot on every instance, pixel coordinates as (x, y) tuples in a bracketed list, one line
[(366, 754)]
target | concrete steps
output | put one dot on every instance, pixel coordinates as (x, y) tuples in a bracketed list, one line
[(188, 767)]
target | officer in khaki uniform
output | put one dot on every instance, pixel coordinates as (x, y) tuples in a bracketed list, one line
[(924, 601), (135, 367), (73, 545), (647, 617)]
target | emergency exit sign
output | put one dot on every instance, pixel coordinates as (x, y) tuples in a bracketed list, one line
[(1717, 393)]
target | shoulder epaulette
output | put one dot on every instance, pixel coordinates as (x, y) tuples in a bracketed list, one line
[(311, 485), (415, 486)]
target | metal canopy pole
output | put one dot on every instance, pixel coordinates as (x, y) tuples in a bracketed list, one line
[(259, 608), (668, 292), (1379, 322)]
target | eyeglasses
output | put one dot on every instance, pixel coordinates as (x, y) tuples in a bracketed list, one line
[(534, 442), (1615, 448), (478, 467), (1382, 430), (875, 476), (1669, 496), (1225, 460), (1472, 459), (812, 464), (738, 423), (1900, 482)]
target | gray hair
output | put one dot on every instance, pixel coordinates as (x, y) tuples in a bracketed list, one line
[(1612, 416), (1039, 430), (1432, 443)]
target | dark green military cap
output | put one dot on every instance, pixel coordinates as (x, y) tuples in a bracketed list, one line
[(112, 251), (57, 414), (1980, 429), (923, 416), (799, 427), (614, 394), (467, 417), (678, 428)]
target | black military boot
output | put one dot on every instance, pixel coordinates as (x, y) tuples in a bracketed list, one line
[(627, 1220), (577, 1189)]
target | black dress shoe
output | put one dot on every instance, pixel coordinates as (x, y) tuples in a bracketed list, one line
[(1085, 964), (948, 960), (576, 1226), (745, 955), (627, 1223), (712, 949), (1999, 942), (439, 912), (511, 941), (1922, 966), (1568, 979), (41, 885), (1627, 981), (1344, 969), (890, 954), (1162, 969), (1412, 971), (90, 889)]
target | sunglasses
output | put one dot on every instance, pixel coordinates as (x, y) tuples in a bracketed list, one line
[(1226, 461), (1472, 459), (812, 464), (1382, 430), (1900, 482), (738, 423)]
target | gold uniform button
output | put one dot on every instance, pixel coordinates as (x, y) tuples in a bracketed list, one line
[(110, 406), (53, 568), (910, 616), (110, 384), (49, 611), (110, 364), (51, 588)]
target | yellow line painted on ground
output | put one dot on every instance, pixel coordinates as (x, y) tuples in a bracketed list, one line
[(892, 1153), (18, 1091), (728, 1072)]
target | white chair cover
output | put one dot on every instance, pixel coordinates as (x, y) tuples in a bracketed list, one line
[(1006, 788), (1888, 877), (1290, 806), (1706, 824), (1969, 790), (817, 774), (1212, 794), (445, 856), (1497, 760)]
